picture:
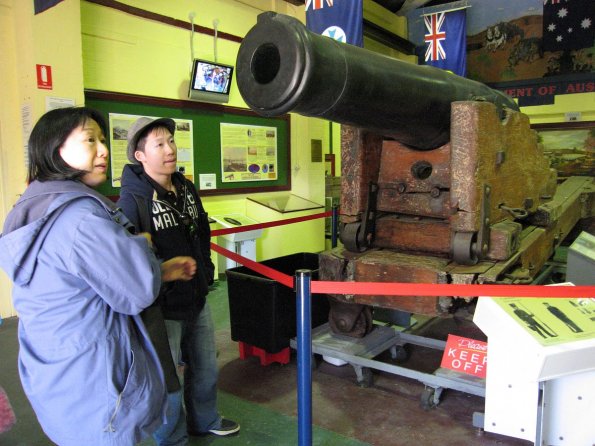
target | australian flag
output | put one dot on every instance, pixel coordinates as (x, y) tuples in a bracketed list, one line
[(445, 40), (341, 20), (568, 24)]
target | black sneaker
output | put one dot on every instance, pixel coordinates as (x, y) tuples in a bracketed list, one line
[(227, 427)]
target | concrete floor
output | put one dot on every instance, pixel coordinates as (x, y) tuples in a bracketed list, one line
[(264, 400)]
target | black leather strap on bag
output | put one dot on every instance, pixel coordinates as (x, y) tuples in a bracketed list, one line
[(144, 219), (155, 324)]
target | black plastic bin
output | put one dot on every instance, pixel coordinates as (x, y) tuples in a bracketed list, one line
[(262, 311)]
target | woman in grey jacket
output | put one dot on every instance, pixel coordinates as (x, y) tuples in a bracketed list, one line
[(80, 281)]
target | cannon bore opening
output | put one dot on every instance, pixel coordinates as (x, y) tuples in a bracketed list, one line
[(265, 63)]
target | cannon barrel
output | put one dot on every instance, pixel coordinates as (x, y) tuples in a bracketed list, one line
[(283, 67)]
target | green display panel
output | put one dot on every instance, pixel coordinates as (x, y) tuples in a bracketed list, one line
[(206, 119)]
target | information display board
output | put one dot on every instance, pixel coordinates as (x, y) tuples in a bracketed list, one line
[(200, 128)]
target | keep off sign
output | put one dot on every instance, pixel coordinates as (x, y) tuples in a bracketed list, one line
[(44, 77), (466, 356)]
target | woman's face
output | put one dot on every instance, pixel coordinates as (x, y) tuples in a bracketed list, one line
[(85, 149)]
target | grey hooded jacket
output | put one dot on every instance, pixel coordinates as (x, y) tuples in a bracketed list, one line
[(80, 281)]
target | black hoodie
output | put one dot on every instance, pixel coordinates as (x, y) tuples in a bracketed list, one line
[(172, 235)]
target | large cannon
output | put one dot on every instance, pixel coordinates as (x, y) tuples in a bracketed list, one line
[(443, 180), (283, 67)]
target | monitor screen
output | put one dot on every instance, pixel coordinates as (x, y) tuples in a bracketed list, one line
[(210, 81)]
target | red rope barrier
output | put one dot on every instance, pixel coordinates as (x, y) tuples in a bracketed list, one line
[(270, 224), (266, 271), (436, 289), (395, 288)]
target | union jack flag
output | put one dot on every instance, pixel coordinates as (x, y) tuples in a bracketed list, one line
[(435, 36), (317, 4), (441, 39)]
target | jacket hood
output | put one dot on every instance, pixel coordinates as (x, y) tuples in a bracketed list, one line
[(32, 217), (134, 182)]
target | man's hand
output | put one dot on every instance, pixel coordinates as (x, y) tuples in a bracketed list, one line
[(178, 268)]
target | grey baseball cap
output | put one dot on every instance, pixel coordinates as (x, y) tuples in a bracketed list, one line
[(140, 128)]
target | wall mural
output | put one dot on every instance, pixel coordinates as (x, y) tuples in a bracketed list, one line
[(531, 49)]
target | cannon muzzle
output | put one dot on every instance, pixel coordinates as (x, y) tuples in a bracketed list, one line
[(283, 67)]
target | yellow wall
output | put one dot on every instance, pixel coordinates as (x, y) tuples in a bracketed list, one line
[(28, 40), (582, 102), (9, 118)]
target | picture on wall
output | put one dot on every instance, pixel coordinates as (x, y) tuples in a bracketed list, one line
[(119, 125), (570, 147), (248, 153)]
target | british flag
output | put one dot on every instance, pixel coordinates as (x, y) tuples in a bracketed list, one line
[(441, 39), (434, 37), (318, 4)]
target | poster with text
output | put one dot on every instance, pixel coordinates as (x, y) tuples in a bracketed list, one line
[(119, 125), (248, 153)]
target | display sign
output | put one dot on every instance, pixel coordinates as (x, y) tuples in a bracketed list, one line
[(248, 152), (553, 321), (465, 355)]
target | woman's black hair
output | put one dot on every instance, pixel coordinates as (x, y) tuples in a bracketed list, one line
[(49, 134)]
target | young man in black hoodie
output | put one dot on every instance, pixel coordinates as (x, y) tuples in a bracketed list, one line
[(161, 201)]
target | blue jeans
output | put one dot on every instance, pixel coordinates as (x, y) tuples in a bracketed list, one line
[(193, 343), (173, 433)]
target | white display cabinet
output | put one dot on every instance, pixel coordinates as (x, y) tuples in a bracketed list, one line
[(540, 383), (242, 243)]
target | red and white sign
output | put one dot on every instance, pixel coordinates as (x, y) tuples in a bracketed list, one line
[(466, 356), (44, 77)]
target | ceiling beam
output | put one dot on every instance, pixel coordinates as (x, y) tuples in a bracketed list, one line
[(387, 38), (391, 5), (410, 5)]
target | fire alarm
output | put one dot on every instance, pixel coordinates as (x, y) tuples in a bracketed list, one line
[(44, 77)]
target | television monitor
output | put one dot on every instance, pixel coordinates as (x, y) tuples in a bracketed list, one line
[(210, 81)]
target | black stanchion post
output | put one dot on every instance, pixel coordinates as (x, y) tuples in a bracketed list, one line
[(303, 278), (334, 225)]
